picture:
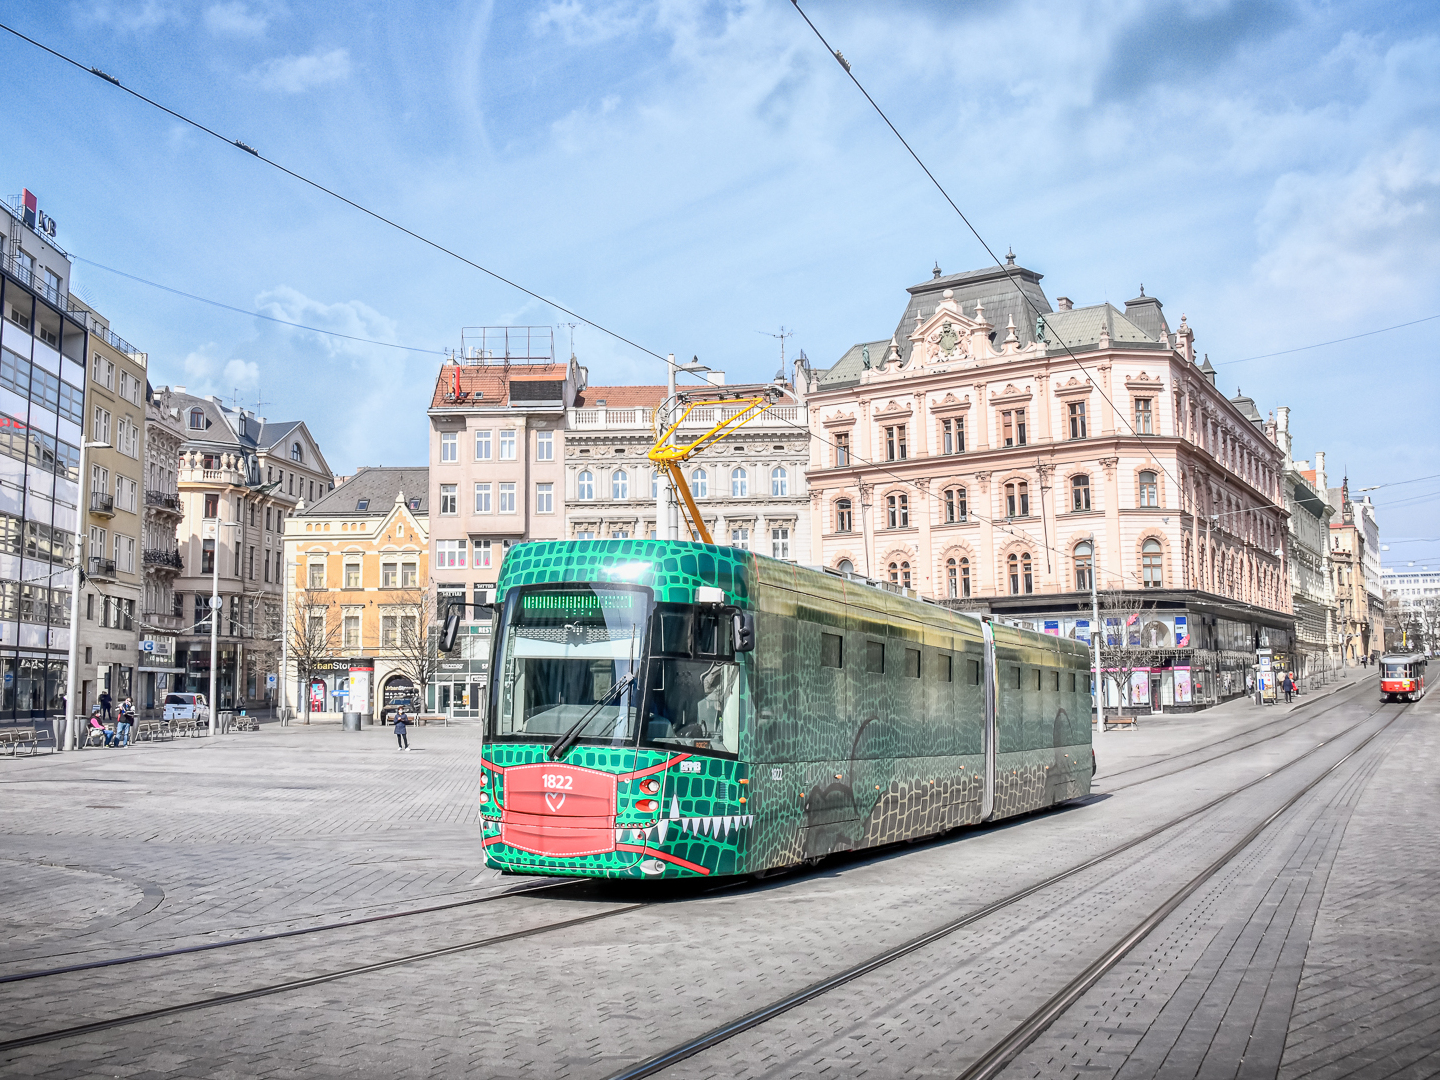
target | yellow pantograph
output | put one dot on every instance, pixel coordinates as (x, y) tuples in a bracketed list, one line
[(731, 413)]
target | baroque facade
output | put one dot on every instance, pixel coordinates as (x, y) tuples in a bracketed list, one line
[(1312, 587), (1355, 568), (161, 619), (981, 456)]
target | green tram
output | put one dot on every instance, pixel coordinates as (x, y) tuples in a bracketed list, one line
[(673, 709)]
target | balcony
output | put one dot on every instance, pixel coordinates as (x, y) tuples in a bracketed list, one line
[(164, 500), (162, 560), (102, 504), (162, 620), (705, 416), (102, 569)]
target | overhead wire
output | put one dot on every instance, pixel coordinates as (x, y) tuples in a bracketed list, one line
[(1335, 341)]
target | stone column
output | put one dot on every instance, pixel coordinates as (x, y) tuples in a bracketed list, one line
[(925, 558), (985, 583)]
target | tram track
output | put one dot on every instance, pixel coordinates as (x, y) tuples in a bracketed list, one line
[(658, 1062), (680, 1052)]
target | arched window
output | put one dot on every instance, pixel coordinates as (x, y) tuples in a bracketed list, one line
[(700, 483), (1149, 489), (1012, 566), (952, 579), (1084, 565), (898, 509), (619, 484), (779, 481), (955, 508), (1022, 575), (1027, 577), (1151, 564), (845, 566), (844, 516), (900, 574), (1080, 493), (296, 454), (197, 419), (585, 485), (964, 577), (655, 484), (739, 484)]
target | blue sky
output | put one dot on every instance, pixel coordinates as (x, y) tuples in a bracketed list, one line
[(694, 174)]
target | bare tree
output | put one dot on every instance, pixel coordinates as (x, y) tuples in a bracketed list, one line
[(409, 636), (1123, 648), (313, 633)]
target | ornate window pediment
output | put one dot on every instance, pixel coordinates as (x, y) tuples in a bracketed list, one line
[(1073, 386), (1011, 393), (950, 404)]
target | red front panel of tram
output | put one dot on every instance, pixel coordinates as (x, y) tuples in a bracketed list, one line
[(559, 810)]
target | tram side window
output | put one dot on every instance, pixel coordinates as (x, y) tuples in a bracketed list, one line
[(832, 650), (875, 658), (1015, 678), (974, 671), (1056, 679), (1072, 682), (944, 667), (912, 663)]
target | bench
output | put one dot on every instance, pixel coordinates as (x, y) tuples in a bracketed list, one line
[(15, 738), (151, 729), (247, 723), (96, 736), (181, 726), (425, 718), (1130, 722)]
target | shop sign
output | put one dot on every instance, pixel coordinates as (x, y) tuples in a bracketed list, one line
[(1052, 626), (1082, 630), (1182, 686), (1182, 638)]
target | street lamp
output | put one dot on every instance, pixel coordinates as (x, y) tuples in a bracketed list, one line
[(211, 531), (82, 513)]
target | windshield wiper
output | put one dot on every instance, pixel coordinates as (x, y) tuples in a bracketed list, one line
[(567, 740)]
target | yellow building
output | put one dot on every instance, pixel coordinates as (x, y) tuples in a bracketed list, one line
[(359, 602)]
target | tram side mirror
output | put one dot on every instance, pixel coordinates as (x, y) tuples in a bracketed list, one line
[(742, 631), (450, 630)]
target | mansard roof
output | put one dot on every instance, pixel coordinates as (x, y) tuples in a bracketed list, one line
[(1081, 327), (1000, 289)]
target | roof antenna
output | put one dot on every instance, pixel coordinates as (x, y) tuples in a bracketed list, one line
[(572, 340), (782, 335)]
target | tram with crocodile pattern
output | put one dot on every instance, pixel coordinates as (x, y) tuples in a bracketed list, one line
[(1402, 677), (669, 709)]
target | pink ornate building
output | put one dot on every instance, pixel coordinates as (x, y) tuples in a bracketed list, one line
[(971, 461)]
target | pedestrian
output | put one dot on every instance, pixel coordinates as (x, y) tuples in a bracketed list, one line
[(400, 736), (1287, 686), (105, 706), (125, 724)]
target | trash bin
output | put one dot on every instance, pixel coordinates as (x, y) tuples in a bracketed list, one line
[(352, 721), (226, 718)]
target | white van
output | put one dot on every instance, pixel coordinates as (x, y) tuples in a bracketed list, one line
[(186, 707)]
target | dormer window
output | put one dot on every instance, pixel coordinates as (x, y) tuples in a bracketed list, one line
[(362, 504), (414, 504), (197, 419)]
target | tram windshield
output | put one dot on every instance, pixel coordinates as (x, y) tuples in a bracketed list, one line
[(693, 698), (563, 654), (1397, 671)]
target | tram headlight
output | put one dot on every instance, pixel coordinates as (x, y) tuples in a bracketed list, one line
[(484, 779), (650, 786), (647, 806), (484, 798)]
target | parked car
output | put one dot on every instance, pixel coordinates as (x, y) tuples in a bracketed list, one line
[(186, 707)]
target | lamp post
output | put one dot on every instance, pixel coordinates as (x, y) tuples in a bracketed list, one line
[(82, 514), (212, 526), (1095, 638)]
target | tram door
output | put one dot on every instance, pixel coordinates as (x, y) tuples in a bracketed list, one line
[(992, 701)]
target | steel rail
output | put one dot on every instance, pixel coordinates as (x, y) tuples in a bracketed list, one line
[(994, 1060), (676, 1054), (209, 946)]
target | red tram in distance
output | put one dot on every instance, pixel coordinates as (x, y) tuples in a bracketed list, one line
[(1402, 676)]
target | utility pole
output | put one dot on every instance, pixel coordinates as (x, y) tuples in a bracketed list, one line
[(70, 739), (665, 523), (1095, 638), (215, 605)]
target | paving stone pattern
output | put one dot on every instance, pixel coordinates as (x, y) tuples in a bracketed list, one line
[(290, 827)]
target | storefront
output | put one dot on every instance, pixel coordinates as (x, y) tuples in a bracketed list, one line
[(462, 679), (194, 661), (341, 685), (157, 670)]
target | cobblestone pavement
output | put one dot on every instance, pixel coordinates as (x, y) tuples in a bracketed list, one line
[(1312, 946)]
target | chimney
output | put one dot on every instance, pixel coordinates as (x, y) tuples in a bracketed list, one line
[(179, 389), (1282, 433), (1320, 484), (715, 378), (1063, 303)]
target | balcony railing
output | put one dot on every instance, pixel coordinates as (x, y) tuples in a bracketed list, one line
[(102, 503), (159, 558), (703, 416), (163, 500), (102, 568)]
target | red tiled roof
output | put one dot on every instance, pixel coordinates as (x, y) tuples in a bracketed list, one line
[(1308, 474), (620, 397), (486, 383)]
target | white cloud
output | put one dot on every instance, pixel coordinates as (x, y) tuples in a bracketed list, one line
[(295, 74), (582, 25), (242, 374), (206, 373), (235, 19), (146, 15), (345, 317)]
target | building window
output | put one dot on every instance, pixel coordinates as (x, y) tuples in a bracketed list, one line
[(389, 575), (780, 542), (1080, 493), (351, 631), (844, 516), (1149, 489), (100, 429), (699, 483), (1017, 499), (900, 574), (212, 506), (1077, 419), (1151, 564), (449, 446), (779, 481), (1012, 427), (507, 498), (585, 485), (895, 445), (739, 485), (482, 498), (952, 579), (1022, 577), (482, 554), (316, 580), (619, 484), (544, 498), (449, 500), (449, 554), (507, 445), (952, 435), (585, 534), (956, 507), (1084, 565), (352, 575), (897, 511), (740, 538), (842, 449), (1144, 422), (409, 575), (197, 419), (544, 446), (296, 454), (482, 446), (389, 631)]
